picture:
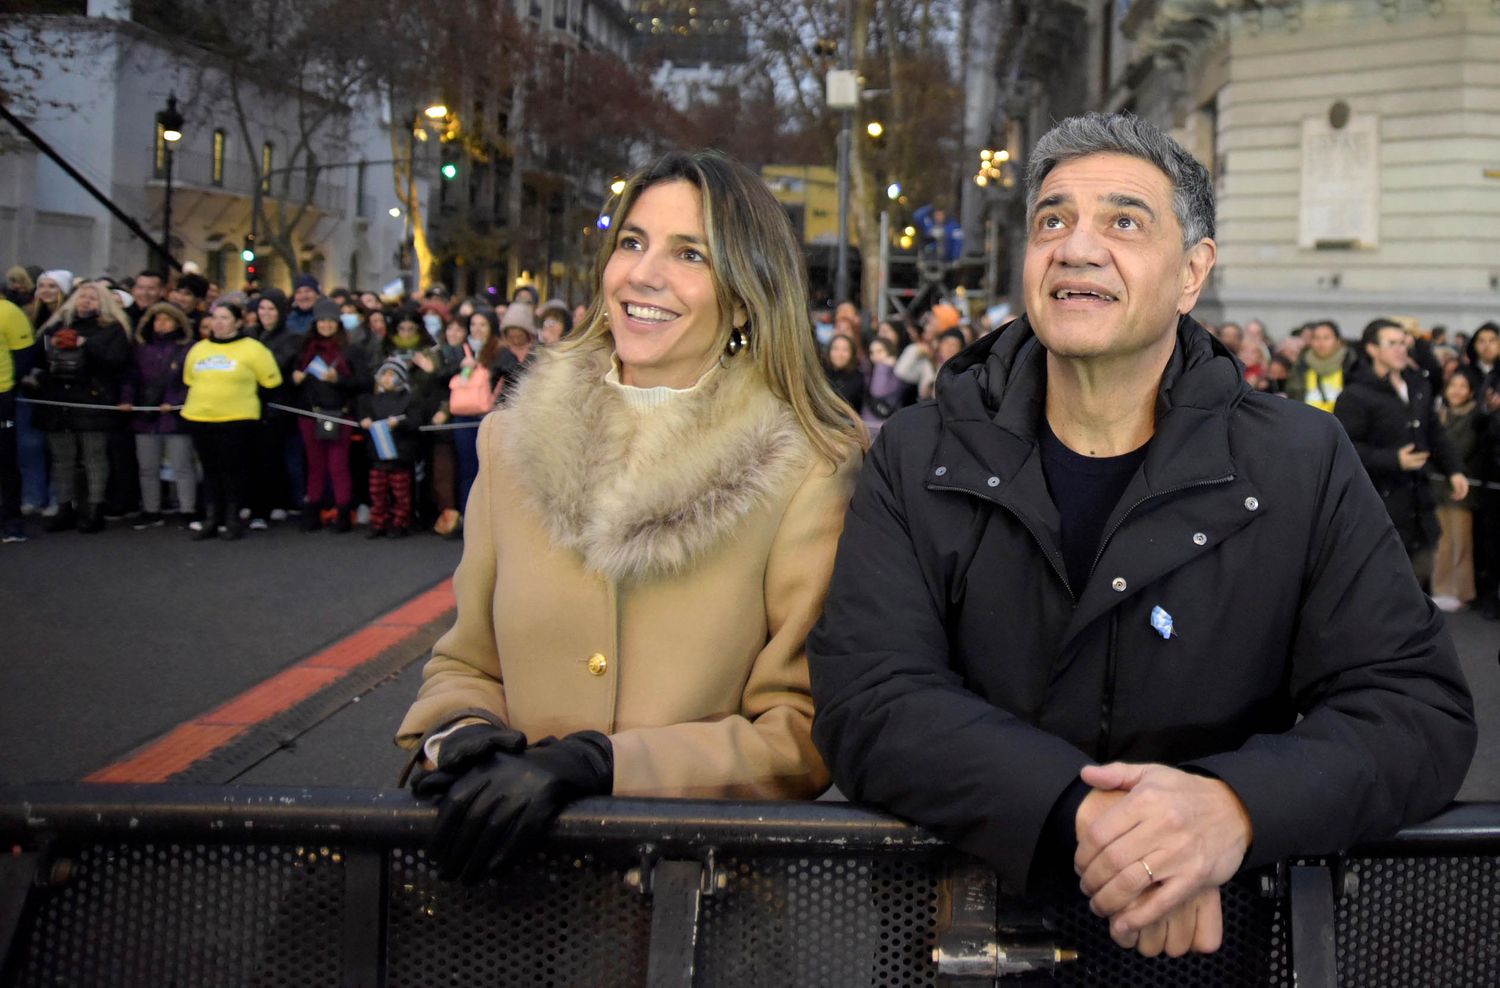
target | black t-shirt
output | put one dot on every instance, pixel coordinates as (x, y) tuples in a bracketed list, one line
[(1085, 490)]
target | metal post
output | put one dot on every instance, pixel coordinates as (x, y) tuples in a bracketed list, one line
[(408, 236), (166, 212), (883, 301), (841, 272)]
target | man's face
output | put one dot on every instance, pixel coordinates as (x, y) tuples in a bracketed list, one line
[(1487, 346), (1106, 274), (1323, 341), (1389, 351), (304, 297), (146, 291), (183, 299)]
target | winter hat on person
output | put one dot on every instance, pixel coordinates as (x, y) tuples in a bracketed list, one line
[(18, 273), (947, 316), (63, 278), (307, 281), (396, 367), (325, 308), (519, 315)]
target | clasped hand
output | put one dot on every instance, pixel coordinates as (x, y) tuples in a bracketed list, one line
[(498, 795), (1154, 845)]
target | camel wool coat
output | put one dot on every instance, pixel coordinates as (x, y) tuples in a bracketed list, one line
[(649, 574)]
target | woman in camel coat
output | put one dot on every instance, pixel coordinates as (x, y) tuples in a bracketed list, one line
[(650, 537)]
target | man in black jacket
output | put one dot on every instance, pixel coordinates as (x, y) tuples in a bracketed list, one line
[(1388, 409), (1099, 544)]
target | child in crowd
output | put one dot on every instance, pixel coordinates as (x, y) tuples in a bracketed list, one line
[(391, 416), (155, 381)]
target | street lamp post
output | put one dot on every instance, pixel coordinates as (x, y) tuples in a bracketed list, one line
[(170, 121)]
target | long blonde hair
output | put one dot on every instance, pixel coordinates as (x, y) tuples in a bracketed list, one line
[(756, 263), (110, 309)]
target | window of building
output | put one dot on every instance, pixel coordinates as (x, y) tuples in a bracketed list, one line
[(359, 190), (218, 164), (560, 14), (267, 160), (159, 158)]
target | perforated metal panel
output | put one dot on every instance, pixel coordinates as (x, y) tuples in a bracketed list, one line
[(820, 921), (554, 921), (194, 915), (1254, 954), (1421, 921)]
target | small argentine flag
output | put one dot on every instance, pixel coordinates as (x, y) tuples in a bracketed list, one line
[(1161, 621)]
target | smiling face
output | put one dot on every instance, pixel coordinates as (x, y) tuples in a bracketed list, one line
[(48, 290), (268, 313), (659, 290), (1106, 274)]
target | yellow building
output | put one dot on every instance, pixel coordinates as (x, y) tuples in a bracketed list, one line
[(810, 194)]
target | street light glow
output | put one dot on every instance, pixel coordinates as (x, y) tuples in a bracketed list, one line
[(981, 180), (910, 231), (874, 128), (986, 154), (906, 242), (617, 186), (436, 111), (893, 191), (1002, 155), (395, 211), (171, 136)]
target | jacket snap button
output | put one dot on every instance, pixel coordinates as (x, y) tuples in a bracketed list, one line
[(1119, 584), (597, 664), (940, 471), (993, 481), (1200, 539), (1251, 504)]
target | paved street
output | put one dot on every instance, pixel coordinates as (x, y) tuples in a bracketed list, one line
[(113, 640)]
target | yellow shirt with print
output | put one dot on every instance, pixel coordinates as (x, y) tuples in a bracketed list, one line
[(1323, 390), (15, 334), (224, 379)]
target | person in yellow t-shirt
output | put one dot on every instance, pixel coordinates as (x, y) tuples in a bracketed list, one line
[(224, 373), (17, 350)]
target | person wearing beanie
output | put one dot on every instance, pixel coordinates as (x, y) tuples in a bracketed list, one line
[(329, 375), (518, 331), (391, 415), (557, 322), (163, 338), (306, 293), (281, 479), (52, 290)]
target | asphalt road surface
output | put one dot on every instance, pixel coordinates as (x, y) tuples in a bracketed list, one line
[(110, 641)]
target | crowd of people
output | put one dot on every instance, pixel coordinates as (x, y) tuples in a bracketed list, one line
[(157, 400)]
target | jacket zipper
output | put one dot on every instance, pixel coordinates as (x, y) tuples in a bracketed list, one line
[(1111, 658), (1025, 524), (1107, 704)]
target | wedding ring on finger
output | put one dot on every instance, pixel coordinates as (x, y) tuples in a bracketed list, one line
[(1151, 875)]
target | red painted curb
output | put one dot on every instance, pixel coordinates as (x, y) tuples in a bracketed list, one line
[(196, 739)]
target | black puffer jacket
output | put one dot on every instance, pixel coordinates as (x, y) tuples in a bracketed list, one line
[(961, 683), (91, 373), (1379, 424)]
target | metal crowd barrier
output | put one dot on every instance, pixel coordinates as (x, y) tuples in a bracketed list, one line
[(230, 886)]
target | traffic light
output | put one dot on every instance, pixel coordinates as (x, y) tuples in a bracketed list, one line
[(248, 254), (252, 272), (449, 170)]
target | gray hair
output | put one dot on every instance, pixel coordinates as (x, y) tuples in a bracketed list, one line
[(1123, 133)]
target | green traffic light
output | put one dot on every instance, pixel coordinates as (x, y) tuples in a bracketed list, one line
[(450, 170), (247, 255)]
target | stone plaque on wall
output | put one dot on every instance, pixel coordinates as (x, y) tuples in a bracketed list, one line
[(1340, 183)]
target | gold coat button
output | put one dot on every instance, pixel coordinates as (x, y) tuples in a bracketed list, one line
[(597, 664)]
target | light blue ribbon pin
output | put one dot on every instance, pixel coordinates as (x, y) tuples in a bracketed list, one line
[(1161, 621)]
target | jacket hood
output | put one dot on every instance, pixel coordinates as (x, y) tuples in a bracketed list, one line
[(1002, 377), (1001, 380), (143, 331)]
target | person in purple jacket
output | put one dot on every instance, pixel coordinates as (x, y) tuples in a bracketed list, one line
[(161, 341)]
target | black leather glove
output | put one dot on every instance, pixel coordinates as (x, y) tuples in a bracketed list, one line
[(460, 751), (503, 802)]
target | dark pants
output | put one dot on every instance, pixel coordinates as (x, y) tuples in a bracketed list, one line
[(10, 463), (390, 497), (225, 450), (1487, 545), (122, 491), (466, 446), (269, 485)]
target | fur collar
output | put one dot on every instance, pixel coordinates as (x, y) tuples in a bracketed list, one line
[(642, 496)]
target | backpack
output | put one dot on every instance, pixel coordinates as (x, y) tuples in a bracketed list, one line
[(470, 391)]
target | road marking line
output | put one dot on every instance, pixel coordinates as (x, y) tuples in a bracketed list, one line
[(196, 739)]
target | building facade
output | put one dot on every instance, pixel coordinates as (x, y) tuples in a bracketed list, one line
[(100, 81)]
